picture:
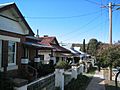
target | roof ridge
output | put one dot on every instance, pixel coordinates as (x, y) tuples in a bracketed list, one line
[(5, 4)]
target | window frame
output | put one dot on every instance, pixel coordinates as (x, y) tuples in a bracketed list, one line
[(42, 57), (11, 64)]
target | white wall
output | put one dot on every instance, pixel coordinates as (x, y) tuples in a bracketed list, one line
[(45, 53), (10, 25)]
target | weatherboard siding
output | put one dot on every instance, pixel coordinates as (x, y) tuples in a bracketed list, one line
[(10, 25)]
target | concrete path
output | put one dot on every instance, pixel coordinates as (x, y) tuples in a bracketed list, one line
[(97, 82)]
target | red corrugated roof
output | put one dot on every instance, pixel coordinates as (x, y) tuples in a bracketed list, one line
[(46, 40), (49, 41)]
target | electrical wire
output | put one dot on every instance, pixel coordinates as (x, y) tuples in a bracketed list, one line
[(84, 27), (64, 17), (77, 30), (83, 32), (93, 2)]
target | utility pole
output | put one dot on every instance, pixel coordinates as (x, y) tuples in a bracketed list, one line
[(110, 23), (110, 6)]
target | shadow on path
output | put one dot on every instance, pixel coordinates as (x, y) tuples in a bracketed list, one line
[(97, 82), (110, 85)]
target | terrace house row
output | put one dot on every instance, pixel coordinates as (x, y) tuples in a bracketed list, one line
[(19, 47)]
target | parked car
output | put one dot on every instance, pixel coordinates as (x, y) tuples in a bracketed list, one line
[(114, 71)]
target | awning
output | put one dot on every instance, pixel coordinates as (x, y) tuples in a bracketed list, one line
[(60, 49), (36, 45)]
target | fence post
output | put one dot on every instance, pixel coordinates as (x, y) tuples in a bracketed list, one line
[(21, 88), (86, 67), (59, 78), (20, 84), (74, 72), (82, 68)]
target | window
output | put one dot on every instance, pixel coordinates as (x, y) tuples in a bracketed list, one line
[(41, 57), (57, 59), (26, 52), (0, 52), (11, 53)]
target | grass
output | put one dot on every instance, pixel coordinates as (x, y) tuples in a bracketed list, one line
[(92, 70)]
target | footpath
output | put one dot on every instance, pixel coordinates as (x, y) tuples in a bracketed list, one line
[(97, 82)]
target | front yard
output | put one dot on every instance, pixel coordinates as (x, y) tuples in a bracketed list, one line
[(81, 82), (78, 84)]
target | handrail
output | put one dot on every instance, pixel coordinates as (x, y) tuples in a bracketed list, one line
[(42, 78), (34, 70)]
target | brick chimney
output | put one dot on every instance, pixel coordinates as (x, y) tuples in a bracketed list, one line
[(45, 35)]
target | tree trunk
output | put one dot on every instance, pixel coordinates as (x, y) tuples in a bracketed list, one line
[(110, 73)]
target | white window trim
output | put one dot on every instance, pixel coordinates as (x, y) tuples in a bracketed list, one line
[(13, 67), (12, 64), (9, 38)]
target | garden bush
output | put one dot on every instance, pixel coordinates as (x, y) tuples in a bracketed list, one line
[(5, 82), (45, 69), (78, 84), (62, 65)]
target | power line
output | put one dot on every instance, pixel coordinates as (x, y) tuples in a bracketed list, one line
[(84, 31), (84, 26), (74, 31), (93, 2), (63, 17)]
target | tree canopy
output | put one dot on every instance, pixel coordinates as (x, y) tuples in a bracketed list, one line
[(110, 56), (92, 47), (83, 46)]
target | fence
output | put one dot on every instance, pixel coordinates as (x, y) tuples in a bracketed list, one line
[(62, 77), (46, 83), (58, 79)]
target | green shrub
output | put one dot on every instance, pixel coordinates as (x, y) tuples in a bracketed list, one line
[(5, 82), (45, 69), (62, 65), (57, 88), (78, 84)]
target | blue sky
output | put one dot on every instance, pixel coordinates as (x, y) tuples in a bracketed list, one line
[(70, 20)]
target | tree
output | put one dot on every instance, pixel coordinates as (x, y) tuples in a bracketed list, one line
[(92, 47), (110, 57), (83, 48)]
